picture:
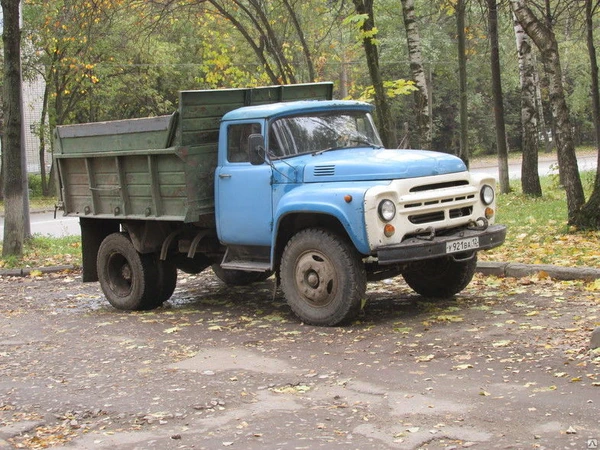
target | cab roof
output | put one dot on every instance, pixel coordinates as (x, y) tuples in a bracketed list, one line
[(270, 110)]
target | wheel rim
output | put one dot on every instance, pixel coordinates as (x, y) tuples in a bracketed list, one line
[(120, 275), (316, 278)]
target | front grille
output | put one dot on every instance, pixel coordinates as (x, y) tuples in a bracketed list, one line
[(461, 212), (447, 184), (419, 219), (442, 201), (434, 203)]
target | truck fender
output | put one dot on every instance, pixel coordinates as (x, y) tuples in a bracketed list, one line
[(345, 203)]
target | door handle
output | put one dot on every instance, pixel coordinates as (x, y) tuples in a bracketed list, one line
[(224, 175)]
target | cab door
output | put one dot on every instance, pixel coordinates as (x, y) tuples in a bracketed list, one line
[(243, 194)]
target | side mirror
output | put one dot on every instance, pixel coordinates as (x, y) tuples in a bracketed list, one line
[(256, 149)]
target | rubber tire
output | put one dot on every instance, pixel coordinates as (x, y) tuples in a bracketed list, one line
[(127, 278), (322, 277), (167, 280), (238, 277), (440, 277)]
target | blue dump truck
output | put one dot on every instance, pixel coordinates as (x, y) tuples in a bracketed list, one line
[(273, 180)]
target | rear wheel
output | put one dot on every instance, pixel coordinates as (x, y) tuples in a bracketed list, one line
[(322, 277), (127, 278), (440, 277)]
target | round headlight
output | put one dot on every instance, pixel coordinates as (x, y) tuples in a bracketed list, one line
[(487, 194), (387, 210)]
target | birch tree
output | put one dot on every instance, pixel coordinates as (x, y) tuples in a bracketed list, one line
[(421, 95), (530, 179), (589, 216), (542, 34)]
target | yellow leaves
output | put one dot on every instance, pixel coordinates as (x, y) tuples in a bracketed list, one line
[(292, 389), (448, 318), (594, 286), (424, 358)]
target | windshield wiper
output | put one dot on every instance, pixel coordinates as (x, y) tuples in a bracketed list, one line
[(319, 152), (357, 139)]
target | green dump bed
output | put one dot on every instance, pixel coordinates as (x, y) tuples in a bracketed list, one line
[(158, 168)]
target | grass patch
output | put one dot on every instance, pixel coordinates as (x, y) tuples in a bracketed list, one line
[(538, 232), (45, 251)]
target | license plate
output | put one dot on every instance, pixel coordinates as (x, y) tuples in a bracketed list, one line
[(462, 245)]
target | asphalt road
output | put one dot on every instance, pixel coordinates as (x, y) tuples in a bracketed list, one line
[(44, 223), (547, 166)]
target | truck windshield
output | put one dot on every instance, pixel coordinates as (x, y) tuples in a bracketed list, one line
[(317, 133)]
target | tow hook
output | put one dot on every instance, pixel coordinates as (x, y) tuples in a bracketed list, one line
[(480, 224), (429, 237)]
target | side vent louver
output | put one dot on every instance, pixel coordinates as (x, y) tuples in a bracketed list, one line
[(324, 171)]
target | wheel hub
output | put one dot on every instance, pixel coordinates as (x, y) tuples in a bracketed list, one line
[(312, 279), (316, 278)]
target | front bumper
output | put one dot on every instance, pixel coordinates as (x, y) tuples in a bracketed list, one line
[(420, 248)]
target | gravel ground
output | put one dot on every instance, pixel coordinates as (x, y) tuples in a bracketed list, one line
[(506, 365)]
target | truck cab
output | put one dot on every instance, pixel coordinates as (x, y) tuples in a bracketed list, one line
[(321, 166)]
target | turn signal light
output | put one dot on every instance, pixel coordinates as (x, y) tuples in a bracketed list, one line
[(389, 230), (489, 213)]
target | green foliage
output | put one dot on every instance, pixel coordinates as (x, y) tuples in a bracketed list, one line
[(358, 22), (35, 185), (393, 89)]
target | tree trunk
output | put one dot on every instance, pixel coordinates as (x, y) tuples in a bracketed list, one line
[(545, 40), (543, 128), (302, 38), (421, 96), (462, 81), (14, 222), (589, 216), (530, 178), (498, 98), (382, 107)]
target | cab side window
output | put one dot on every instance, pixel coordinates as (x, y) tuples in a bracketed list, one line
[(237, 141)]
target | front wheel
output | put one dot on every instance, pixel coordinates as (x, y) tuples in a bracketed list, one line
[(127, 278), (322, 277), (440, 277)]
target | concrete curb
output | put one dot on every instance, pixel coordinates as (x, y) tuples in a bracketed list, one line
[(516, 270), (26, 271)]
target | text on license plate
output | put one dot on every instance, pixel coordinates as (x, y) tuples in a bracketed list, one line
[(462, 245)]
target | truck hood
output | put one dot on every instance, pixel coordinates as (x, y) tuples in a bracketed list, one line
[(377, 164)]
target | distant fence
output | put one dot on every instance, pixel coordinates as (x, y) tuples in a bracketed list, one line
[(33, 94)]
